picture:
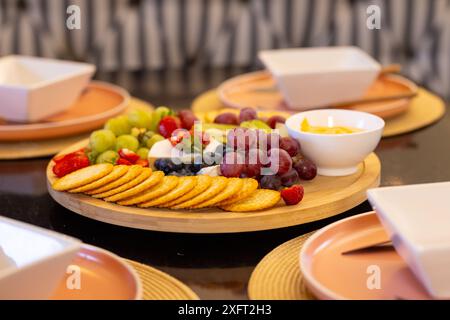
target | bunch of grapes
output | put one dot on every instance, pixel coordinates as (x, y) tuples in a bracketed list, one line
[(248, 117), (275, 161)]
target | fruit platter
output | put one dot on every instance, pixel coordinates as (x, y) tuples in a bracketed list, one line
[(241, 171)]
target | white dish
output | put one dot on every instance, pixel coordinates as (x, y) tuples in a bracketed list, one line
[(32, 260), (32, 89), (318, 77), (337, 154), (417, 219)]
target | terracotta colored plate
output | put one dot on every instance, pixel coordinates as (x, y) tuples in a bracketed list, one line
[(104, 276), (246, 91), (98, 102), (331, 275)]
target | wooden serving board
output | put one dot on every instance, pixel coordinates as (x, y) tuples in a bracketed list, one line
[(324, 197)]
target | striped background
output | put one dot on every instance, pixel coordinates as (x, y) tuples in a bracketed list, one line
[(157, 34)]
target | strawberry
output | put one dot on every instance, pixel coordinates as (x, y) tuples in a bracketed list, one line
[(167, 125), (123, 161), (69, 163), (129, 155), (178, 136), (142, 162), (293, 195)]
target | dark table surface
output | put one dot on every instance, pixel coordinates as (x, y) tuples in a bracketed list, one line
[(214, 266)]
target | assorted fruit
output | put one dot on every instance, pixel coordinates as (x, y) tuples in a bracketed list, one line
[(244, 150), (140, 186)]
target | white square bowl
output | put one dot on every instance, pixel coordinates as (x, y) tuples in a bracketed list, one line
[(417, 219), (32, 260), (319, 77), (32, 89)]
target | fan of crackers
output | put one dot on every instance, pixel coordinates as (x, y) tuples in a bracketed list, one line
[(139, 186)]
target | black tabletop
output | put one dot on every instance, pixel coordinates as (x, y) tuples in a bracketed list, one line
[(214, 266)]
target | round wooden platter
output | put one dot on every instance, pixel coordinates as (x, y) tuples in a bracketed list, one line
[(324, 197), (44, 148), (278, 276), (424, 110)]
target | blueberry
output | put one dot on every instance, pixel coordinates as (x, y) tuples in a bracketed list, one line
[(194, 167), (165, 165)]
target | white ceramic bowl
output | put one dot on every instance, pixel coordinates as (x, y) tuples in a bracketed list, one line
[(417, 219), (32, 89), (337, 154), (319, 77), (32, 260)]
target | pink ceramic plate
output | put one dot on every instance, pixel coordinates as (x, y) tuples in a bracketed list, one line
[(102, 276), (379, 274)]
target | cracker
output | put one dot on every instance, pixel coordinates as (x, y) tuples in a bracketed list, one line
[(133, 172), (234, 185), (168, 183), (82, 177), (203, 183), (260, 199), (115, 174), (151, 181), (217, 185), (249, 186), (185, 185), (146, 172)]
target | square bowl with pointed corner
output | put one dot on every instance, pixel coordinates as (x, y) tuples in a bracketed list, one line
[(32, 89), (417, 219), (32, 260), (322, 76)]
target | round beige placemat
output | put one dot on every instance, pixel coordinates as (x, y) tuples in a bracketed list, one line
[(158, 285), (425, 109), (277, 276), (44, 148)]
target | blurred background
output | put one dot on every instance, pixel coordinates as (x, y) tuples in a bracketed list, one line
[(143, 44)]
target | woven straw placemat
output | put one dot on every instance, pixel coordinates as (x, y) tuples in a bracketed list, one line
[(425, 109), (158, 285), (278, 275)]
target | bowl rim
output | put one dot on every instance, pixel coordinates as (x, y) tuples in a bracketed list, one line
[(362, 132)]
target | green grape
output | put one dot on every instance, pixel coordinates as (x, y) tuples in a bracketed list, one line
[(256, 124), (127, 141), (92, 156), (157, 115), (108, 156), (140, 118), (144, 138), (102, 140), (143, 153), (135, 132), (154, 139), (118, 125)]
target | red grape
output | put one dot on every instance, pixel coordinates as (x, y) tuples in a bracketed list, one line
[(187, 118), (291, 145), (227, 118), (273, 140), (273, 120), (280, 161), (290, 178), (270, 182), (241, 139), (306, 169), (247, 114), (232, 165), (253, 163)]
